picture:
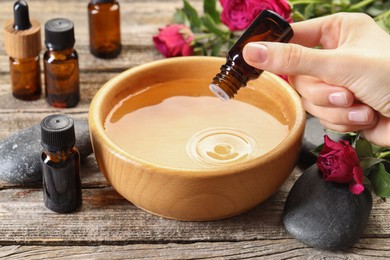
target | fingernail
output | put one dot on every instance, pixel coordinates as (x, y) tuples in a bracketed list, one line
[(338, 99), (358, 116), (256, 52)]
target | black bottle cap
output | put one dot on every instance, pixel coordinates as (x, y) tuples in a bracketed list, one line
[(57, 132), (59, 34), (21, 16)]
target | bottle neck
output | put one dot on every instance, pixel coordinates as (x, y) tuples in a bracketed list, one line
[(103, 1), (24, 60), (52, 55), (230, 79), (68, 50), (59, 155)]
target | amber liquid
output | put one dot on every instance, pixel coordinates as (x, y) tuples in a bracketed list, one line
[(26, 78), (61, 181), (191, 131), (104, 29), (62, 78)]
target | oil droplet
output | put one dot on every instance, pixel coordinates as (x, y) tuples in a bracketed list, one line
[(221, 146), (222, 149)]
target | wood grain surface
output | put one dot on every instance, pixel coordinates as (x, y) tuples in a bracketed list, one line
[(108, 226)]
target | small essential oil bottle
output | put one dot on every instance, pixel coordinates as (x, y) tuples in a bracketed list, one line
[(61, 64), (268, 26), (104, 28), (22, 39), (60, 164)]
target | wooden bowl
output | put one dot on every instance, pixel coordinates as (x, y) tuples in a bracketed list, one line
[(207, 194)]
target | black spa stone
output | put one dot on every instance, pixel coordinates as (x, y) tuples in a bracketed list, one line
[(20, 153), (325, 215)]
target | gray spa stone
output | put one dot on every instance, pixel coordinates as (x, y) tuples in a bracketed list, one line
[(325, 215), (312, 138), (20, 153)]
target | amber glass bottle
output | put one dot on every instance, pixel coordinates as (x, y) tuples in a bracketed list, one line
[(61, 64), (25, 78), (104, 28), (60, 164), (22, 38), (268, 26)]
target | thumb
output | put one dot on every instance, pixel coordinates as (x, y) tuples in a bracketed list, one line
[(286, 58)]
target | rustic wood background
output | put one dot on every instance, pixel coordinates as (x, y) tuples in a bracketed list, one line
[(108, 226)]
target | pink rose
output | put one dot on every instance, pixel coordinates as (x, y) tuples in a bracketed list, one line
[(174, 40), (339, 162), (239, 14)]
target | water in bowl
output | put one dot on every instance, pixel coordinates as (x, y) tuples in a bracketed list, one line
[(174, 124)]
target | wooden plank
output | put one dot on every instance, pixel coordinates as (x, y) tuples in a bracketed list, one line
[(107, 218), (90, 83), (265, 249), (130, 56)]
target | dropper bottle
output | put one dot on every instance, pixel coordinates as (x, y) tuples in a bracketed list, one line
[(22, 40), (268, 26)]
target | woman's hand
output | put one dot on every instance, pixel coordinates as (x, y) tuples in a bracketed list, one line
[(345, 83)]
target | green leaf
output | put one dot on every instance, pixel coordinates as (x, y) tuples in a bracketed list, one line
[(192, 15), (380, 181), (361, 4), (377, 148), (198, 51), (317, 150), (230, 43), (363, 148), (384, 155), (210, 8), (322, 9), (309, 9), (210, 25), (204, 51), (368, 162), (375, 10), (297, 16), (384, 22), (180, 17), (216, 47)]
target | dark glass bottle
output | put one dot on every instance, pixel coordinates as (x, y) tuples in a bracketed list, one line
[(23, 45), (268, 26), (61, 64), (60, 165), (104, 28), (26, 78)]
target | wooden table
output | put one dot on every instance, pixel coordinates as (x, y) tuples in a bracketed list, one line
[(108, 226)]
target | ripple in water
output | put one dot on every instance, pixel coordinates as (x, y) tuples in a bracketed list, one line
[(221, 146)]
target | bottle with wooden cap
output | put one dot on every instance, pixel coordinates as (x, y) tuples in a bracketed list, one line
[(61, 64), (104, 28), (22, 40)]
